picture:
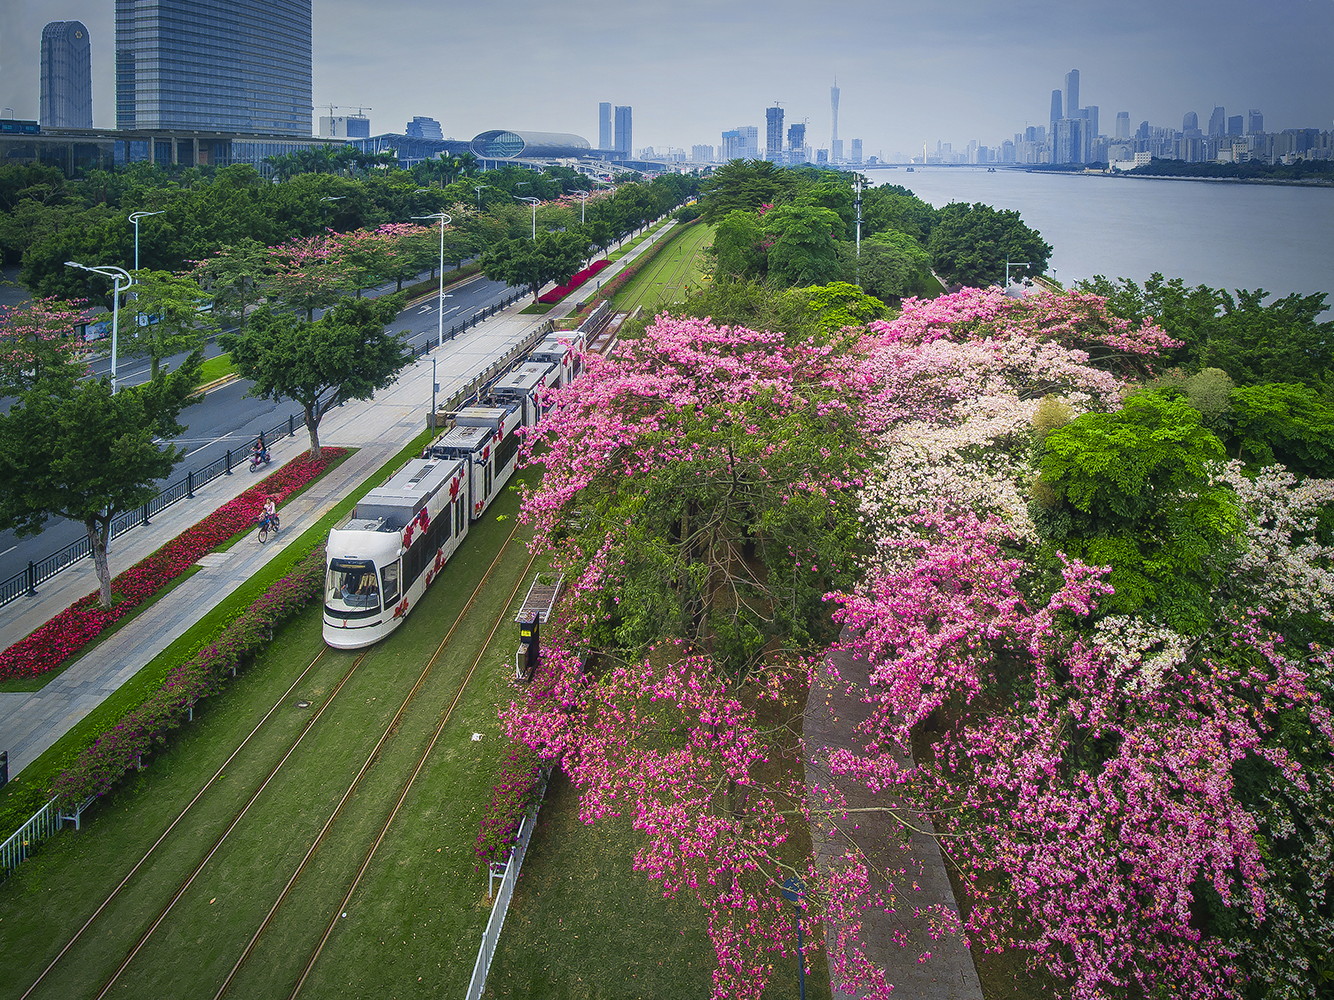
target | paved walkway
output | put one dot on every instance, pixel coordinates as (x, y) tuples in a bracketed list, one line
[(31, 722), (833, 711)]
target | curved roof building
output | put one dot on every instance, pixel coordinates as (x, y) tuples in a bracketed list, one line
[(507, 144)]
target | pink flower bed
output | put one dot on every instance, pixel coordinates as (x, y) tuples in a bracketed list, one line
[(560, 291), (68, 632)]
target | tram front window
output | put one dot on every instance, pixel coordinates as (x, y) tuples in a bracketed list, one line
[(352, 588)]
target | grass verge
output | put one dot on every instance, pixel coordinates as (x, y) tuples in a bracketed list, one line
[(215, 368), (27, 792), (669, 275), (537, 309)]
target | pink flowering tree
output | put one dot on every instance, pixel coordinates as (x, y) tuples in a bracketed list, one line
[(35, 334), (309, 273)]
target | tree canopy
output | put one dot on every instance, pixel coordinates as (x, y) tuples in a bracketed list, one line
[(345, 354), (534, 262), (969, 245)]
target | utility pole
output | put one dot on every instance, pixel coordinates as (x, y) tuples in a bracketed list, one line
[(857, 203)]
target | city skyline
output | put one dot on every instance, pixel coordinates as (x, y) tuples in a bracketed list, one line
[(977, 74)]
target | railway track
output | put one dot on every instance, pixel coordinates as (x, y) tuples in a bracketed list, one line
[(179, 826)]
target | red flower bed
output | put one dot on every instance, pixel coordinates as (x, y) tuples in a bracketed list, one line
[(560, 291), (80, 623)]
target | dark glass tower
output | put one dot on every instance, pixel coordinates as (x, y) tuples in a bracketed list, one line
[(67, 76), (605, 134), (214, 65), (1056, 113), (623, 130), (773, 133)]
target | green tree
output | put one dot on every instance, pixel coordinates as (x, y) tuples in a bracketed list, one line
[(970, 243), (162, 317), (743, 185), (1282, 422), (894, 265), (235, 277), (345, 354), (893, 208), (534, 262), (69, 448), (839, 305), (739, 250), (1133, 490), (805, 245)]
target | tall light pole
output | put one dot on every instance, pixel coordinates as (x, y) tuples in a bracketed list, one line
[(440, 303), (116, 274), (583, 205), (479, 189), (534, 202), (134, 217), (857, 202)]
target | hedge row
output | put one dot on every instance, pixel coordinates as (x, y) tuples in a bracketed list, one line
[(123, 746)]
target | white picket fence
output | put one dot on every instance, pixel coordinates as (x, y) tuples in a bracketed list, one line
[(507, 882)]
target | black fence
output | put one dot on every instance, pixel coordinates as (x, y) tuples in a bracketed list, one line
[(25, 583)]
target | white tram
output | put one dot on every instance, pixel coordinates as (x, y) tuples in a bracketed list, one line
[(396, 542)]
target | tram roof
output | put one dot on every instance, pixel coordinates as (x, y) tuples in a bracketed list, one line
[(524, 378)]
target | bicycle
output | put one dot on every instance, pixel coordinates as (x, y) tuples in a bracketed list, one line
[(267, 524)]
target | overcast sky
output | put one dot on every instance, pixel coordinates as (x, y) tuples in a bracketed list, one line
[(909, 72)]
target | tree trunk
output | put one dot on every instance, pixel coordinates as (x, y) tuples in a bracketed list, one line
[(98, 534), (313, 428)]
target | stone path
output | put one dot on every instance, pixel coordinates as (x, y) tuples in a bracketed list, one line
[(833, 712)]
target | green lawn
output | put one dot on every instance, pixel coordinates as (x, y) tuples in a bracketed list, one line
[(670, 275), (215, 368)]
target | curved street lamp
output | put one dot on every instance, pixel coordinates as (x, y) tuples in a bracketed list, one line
[(135, 217), (445, 220), (115, 274)]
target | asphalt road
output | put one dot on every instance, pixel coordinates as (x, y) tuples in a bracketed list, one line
[(228, 418)]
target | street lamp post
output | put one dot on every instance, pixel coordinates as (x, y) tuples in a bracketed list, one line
[(115, 274), (583, 206), (479, 189), (534, 202), (440, 304), (135, 217), (792, 890)]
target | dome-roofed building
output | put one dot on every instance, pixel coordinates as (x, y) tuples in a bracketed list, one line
[(508, 144)]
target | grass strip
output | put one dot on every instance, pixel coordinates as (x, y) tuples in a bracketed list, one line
[(215, 368), (640, 290), (28, 791)]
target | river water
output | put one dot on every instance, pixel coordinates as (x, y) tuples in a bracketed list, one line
[(1224, 235)]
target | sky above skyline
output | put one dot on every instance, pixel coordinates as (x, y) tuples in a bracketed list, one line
[(909, 73)]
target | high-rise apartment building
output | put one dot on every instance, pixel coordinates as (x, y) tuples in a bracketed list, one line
[(67, 76), (1071, 93), (1056, 112), (214, 65), (702, 154), (773, 133), (622, 135), (1255, 122), (605, 134), (1123, 125), (1091, 114), (1218, 122)]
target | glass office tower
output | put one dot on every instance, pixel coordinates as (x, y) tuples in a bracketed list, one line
[(67, 76), (214, 65)]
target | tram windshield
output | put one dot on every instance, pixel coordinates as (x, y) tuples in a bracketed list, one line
[(353, 587)]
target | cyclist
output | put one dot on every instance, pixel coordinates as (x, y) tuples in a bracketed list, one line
[(271, 513)]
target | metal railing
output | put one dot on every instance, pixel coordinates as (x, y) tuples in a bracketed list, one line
[(476, 386), (25, 582), (14, 851), (491, 937)]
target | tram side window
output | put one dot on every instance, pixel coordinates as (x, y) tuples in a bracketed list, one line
[(505, 453), (390, 575), (458, 516)]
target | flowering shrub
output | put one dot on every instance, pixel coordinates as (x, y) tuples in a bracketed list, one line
[(68, 632), (515, 790), (560, 291), (122, 746)]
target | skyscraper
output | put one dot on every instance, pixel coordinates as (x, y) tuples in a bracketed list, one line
[(773, 133), (214, 65), (67, 76), (1091, 113), (1190, 120), (1255, 122), (833, 104), (1069, 141), (1056, 113), (420, 128), (796, 137), (1218, 122), (604, 125), (1071, 93), (1123, 125), (623, 129), (1235, 124), (856, 151)]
